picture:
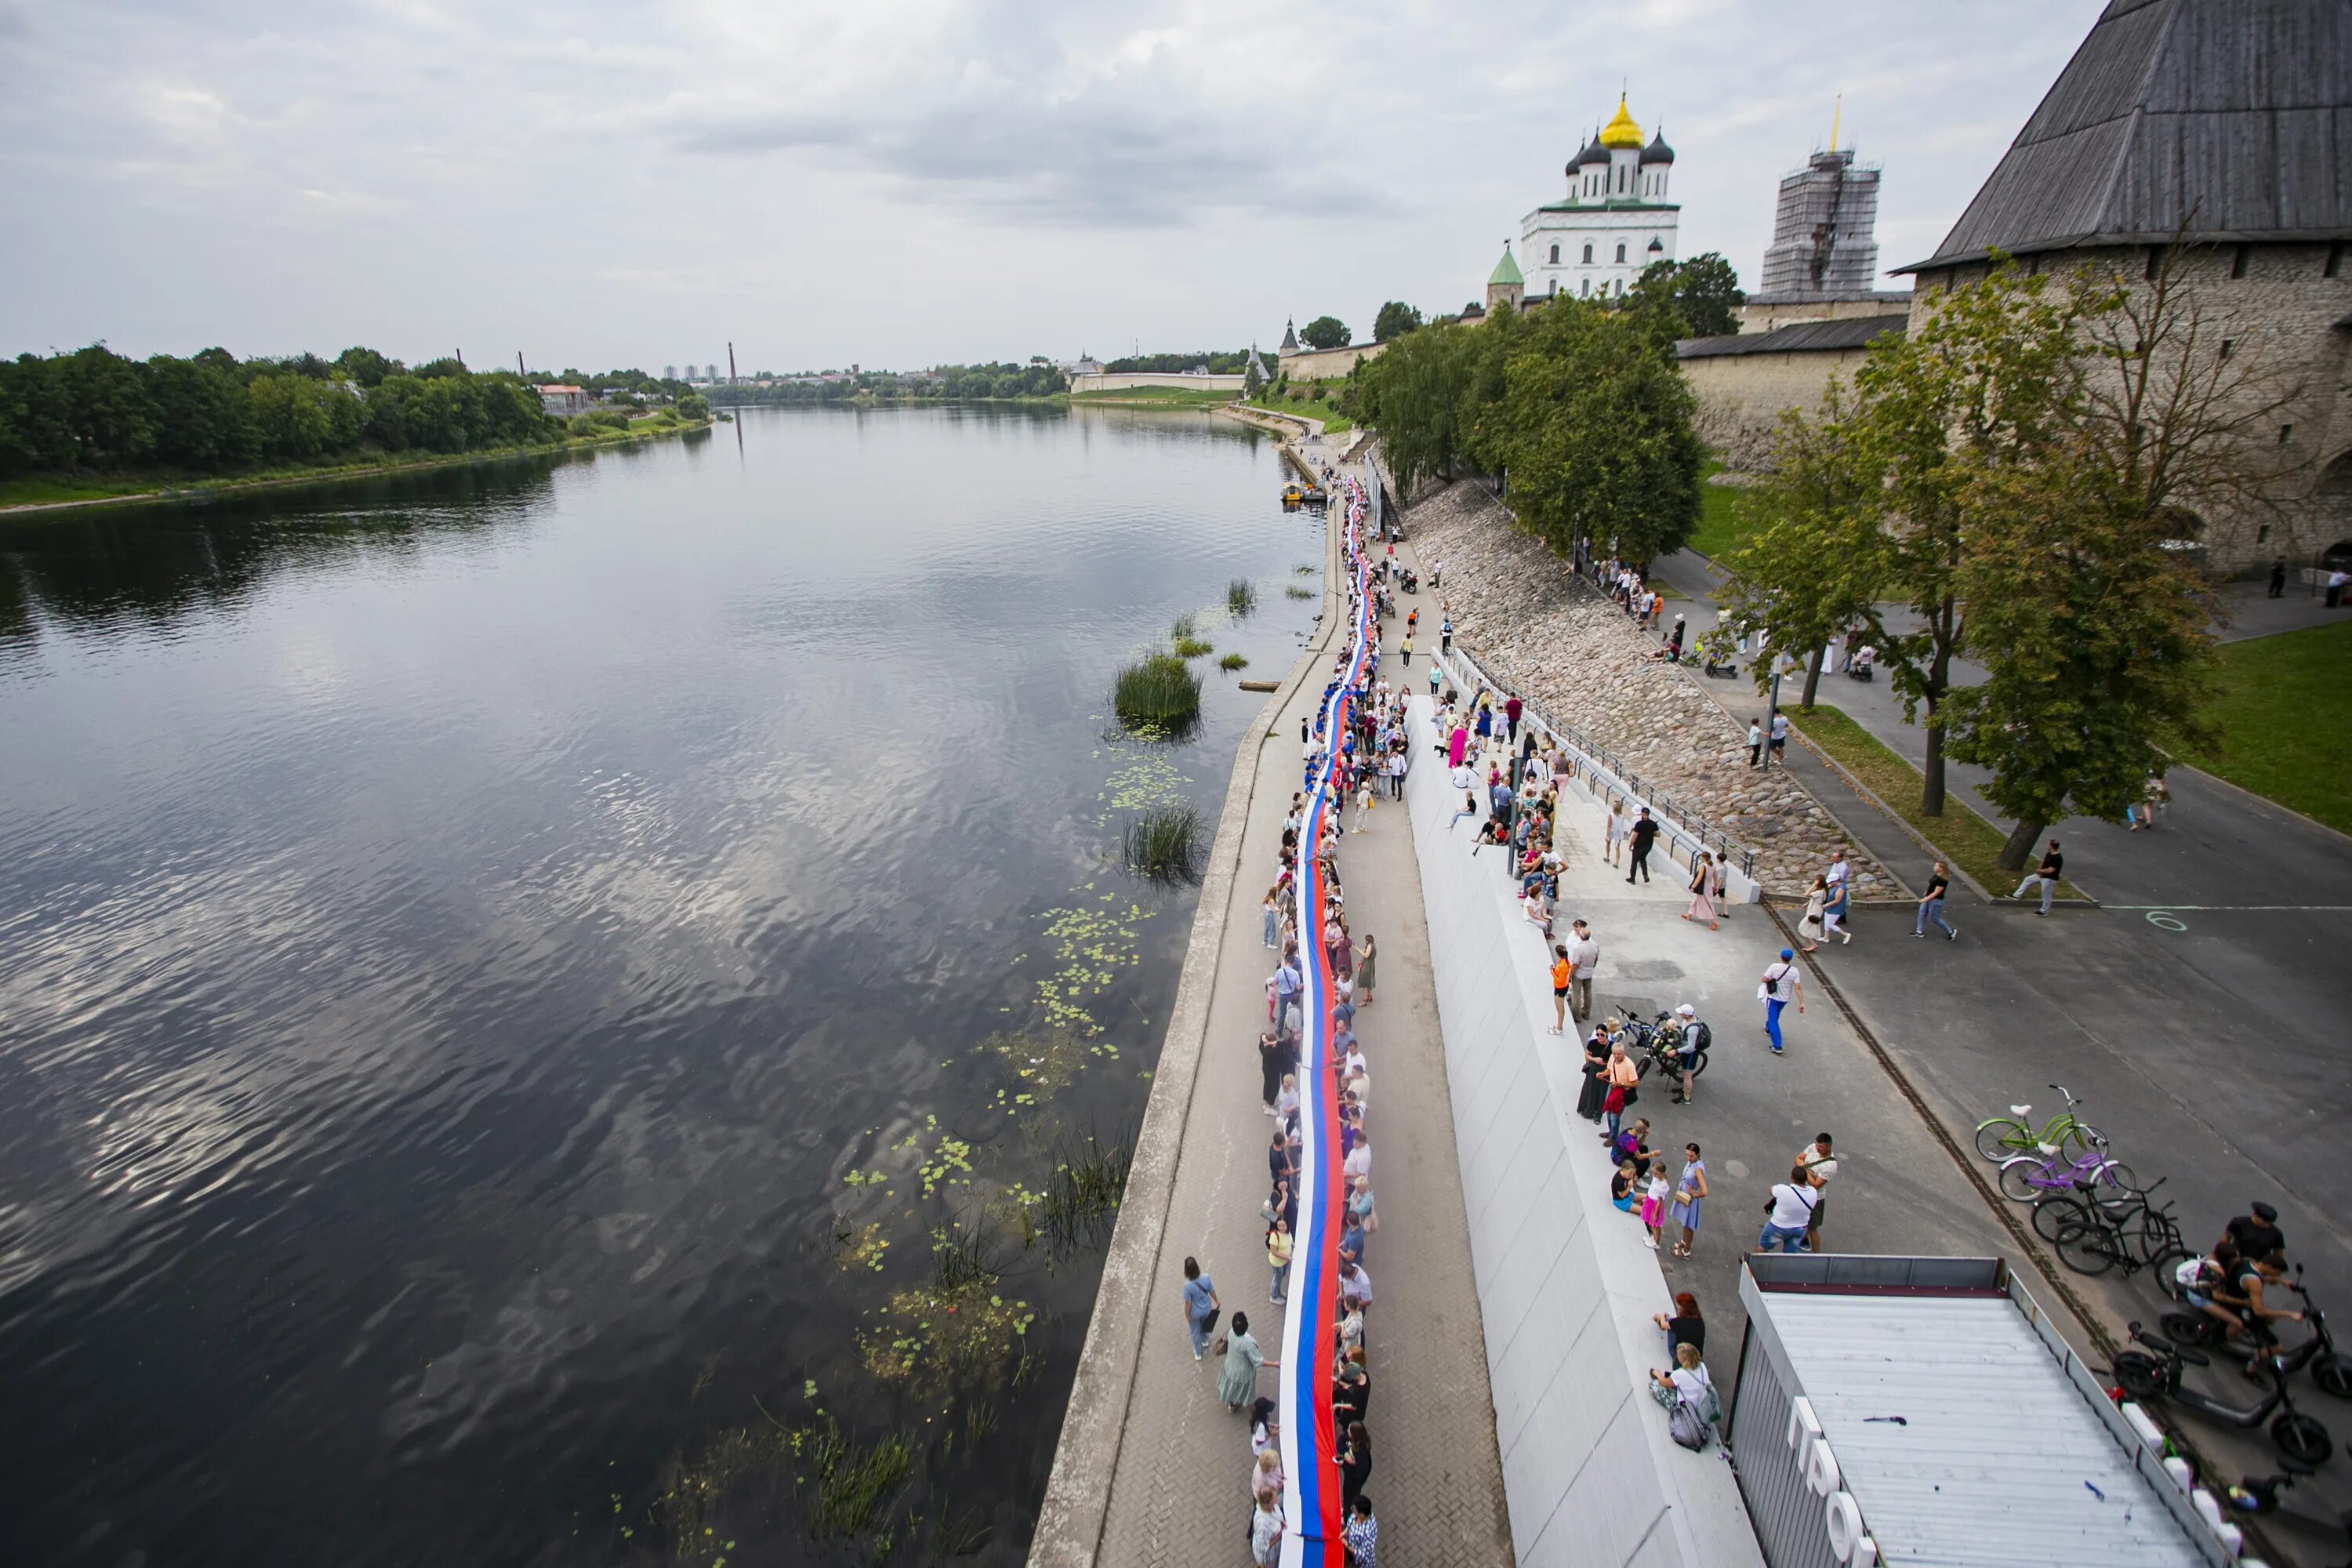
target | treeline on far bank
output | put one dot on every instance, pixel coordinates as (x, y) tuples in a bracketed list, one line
[(97, 413)]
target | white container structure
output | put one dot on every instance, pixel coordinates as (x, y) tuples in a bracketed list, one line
[(1924, 1410)]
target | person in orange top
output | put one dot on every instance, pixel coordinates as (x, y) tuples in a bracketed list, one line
[(1562, 972)]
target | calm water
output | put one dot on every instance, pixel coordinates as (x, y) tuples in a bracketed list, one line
[(489, 959)]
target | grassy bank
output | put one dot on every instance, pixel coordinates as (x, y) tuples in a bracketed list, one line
[(1718, 516), (1964, 838), (2284, 705), (39, 494), (1307, 402), (1155, 397)]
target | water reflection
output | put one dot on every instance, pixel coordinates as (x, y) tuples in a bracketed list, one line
[(491, 956)]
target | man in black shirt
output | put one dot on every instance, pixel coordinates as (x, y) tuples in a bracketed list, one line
[(1931, 904), (2046, 874), (2256, 1233), (1645, 833)]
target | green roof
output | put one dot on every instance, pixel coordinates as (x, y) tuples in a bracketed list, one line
[(1506, 270)]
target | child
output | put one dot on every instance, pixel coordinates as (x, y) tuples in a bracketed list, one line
[(1654, 1206), (1621, 1187)]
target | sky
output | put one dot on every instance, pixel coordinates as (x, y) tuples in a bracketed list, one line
[(903, 182)]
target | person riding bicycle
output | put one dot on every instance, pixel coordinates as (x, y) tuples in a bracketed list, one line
[(1690, 1037)]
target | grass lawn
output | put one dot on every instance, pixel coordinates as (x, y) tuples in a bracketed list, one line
[(1966, 840), (1719, 517), (1306, 407), (36, 491), (2284, 707)]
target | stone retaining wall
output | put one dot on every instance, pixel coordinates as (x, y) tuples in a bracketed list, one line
[(1528, 619)]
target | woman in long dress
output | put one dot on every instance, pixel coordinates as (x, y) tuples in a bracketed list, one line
[(1701, 886), (1809, 930), (1238, 1384), (1596, 1082), (1364, 956)]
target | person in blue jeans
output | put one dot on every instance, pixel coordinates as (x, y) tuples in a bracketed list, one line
[(1779, 983), (1931, 905), (1791, 1216), (1200, 1304)]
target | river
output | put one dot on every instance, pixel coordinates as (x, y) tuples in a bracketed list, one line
[(541, 1002)]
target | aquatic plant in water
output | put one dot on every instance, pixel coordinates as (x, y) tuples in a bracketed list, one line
[(1164, 844), (1158, 694), (1232, 661), (1241, 596)]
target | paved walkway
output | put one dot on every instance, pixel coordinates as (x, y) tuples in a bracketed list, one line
[(1179, 1494), (2209, 1041)]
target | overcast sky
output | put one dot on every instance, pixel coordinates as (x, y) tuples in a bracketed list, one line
[(904, 182)]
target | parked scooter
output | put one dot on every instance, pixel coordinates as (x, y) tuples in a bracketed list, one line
[(2156, 1377), (2330, 1368)]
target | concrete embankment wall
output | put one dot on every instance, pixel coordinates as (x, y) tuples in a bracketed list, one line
[(1565, 1286)]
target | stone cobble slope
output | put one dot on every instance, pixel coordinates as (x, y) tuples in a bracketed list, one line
[(1528, 620)]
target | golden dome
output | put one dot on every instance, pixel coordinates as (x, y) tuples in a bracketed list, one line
[(1621, 131)]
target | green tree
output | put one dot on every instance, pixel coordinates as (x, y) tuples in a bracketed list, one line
[(1810, 555), (1395, 319), (694, 406), (1693, 299), (440, 369), (204, 419), (366, 367), (1252, 377), (1597, 436), (1325, 332), (102, 407)]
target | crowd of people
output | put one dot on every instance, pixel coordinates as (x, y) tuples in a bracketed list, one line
[(1367, 758)]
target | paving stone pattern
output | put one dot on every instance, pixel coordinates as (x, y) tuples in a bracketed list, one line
[(1179, 1493), (1527, 619)]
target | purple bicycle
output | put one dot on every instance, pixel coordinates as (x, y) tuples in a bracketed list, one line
[(2026, 1178)]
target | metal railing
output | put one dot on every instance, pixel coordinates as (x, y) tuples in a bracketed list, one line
[(1605, 775)]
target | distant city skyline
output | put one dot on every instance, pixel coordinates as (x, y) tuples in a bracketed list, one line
[(912, 182)]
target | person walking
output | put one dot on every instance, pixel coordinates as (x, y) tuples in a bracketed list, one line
[(1584, 952), (1817, 903), (1818, 1164), (1612, 832), (1755, 742), (2046, 874), (1446, 633), (1643, 833), (1201, 1306), (1779, 985), (1405, 648), (1780, 737), (2278, 578), (1689, 1193), (1931, 904), (1238, 1384), (1833, 913), (1512, 709), (1702, 889), (2336, 583)]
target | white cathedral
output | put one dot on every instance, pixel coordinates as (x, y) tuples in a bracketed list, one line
[(1615, 221)]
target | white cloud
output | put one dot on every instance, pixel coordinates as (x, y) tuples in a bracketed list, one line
[(905, 181)]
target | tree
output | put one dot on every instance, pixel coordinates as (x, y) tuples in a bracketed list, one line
[(1395, 319), (1693, 299), (366, 367), (1598, 435), (1252, 377), (694, 406), (1810, 558), (1325, 332)]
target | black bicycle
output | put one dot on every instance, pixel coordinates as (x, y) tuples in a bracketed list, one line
[(2132, 1236)]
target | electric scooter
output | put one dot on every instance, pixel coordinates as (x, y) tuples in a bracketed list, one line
[(2156, 1377), (2330, 1368)]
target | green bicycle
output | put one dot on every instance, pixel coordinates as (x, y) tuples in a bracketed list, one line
[(2004, 1137)]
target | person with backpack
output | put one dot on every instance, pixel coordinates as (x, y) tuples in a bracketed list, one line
[(1788, 1213), (1779, 983), (1688, 1394), (1691, 1036)]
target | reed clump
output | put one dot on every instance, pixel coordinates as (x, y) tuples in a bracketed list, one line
[(1163, 844), (1158, 693)]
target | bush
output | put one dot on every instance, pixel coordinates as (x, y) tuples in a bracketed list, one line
[(694, 406), (1157, 693)]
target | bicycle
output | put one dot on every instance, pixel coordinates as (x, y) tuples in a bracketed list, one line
[(2101, 1238), (2025, 1178), (2002, 1137)]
